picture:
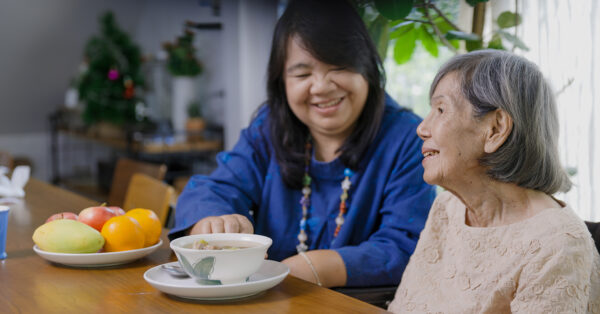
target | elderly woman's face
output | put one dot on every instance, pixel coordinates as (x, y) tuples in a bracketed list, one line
[(453, 139), (326, 98)]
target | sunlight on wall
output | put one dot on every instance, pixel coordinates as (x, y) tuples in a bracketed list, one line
[(564, 40)]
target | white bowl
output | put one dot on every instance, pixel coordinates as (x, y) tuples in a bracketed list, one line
[(221, 266)]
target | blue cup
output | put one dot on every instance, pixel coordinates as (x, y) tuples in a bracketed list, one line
[(3, 226)]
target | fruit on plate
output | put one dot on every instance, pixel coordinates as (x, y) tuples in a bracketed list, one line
[(117, 210), (122, 233), (96, 216), (149, 222), (63, 215), (68, 236)]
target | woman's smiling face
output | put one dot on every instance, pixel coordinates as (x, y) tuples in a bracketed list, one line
[(453, 139), (328, 99)]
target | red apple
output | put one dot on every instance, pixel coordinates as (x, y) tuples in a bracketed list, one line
[(63, 215), (95, 217), (117, 210)]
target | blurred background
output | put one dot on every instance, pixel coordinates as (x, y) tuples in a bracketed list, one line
[(84, 83)]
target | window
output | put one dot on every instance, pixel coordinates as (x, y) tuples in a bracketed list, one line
[(564, 40)]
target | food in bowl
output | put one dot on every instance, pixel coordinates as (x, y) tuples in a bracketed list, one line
[(222, 245), (216, 264)]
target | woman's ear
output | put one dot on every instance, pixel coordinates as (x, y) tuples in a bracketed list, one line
[(500, 127)]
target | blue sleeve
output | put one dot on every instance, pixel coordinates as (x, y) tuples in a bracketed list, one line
[(407, 198), (233, 188)]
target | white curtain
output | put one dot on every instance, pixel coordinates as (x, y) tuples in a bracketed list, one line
[(564, 40)]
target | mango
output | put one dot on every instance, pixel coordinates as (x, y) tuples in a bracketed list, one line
[(68, 236)]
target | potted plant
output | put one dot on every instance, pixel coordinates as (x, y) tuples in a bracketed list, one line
[(195, 124), (184, 66)]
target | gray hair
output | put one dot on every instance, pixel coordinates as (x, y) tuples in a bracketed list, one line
[(494, 79)]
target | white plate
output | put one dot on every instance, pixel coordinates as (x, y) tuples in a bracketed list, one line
[(268, 275), (96, 259)]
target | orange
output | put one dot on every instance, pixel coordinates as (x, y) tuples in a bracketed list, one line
[(122, 233), (149, 222)]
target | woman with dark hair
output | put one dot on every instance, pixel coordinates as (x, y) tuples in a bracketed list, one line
[(329, 168), (497, 241)]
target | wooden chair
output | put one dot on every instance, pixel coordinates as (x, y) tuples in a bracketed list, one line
[(380, 296), (149, 193), (6, 160), (124, 170), (179, 183), (594, 228)]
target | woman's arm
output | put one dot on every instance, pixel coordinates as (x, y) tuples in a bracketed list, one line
[(232, 189), (327, 267), (557, 280)]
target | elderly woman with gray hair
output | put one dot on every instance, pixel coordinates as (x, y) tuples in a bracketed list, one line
[(496, 240)]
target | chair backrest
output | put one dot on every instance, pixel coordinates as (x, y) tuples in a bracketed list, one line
[(124, 170), (594, 228), (149, 193), (179, 183), (6, 160)]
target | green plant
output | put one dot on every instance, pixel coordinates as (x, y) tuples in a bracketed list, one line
[(406, 22), (194, 110), (182, 59), (113, 72)]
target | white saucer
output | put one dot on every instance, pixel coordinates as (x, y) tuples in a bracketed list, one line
[(269, 275), (96, 259)]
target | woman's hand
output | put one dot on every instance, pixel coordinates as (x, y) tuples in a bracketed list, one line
[(227, 223)]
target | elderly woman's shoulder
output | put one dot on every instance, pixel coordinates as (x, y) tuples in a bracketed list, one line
[(562, 230), (562, 220)]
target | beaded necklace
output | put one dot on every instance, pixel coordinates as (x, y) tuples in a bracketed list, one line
[(305, 200)]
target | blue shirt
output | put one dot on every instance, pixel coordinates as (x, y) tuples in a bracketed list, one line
[(388, 200)]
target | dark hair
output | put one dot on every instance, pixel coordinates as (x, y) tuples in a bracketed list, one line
[(333, 32), (492, 79)]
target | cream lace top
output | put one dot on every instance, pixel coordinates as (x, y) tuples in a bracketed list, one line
[(545, 264)]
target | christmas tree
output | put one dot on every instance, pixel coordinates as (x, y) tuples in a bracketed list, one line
[(113, 72)]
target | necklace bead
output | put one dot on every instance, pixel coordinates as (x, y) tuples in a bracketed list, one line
[(346, 184), (301, 247), (348, 172), (306, 180), (305, 201), (344, 196), (302, 236)]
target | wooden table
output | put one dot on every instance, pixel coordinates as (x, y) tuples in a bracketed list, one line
[(30, 284)]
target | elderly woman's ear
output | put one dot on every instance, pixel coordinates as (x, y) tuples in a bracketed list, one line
[(500, 125)]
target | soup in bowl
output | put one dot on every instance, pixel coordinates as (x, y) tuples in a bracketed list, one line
[(221, 258)]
